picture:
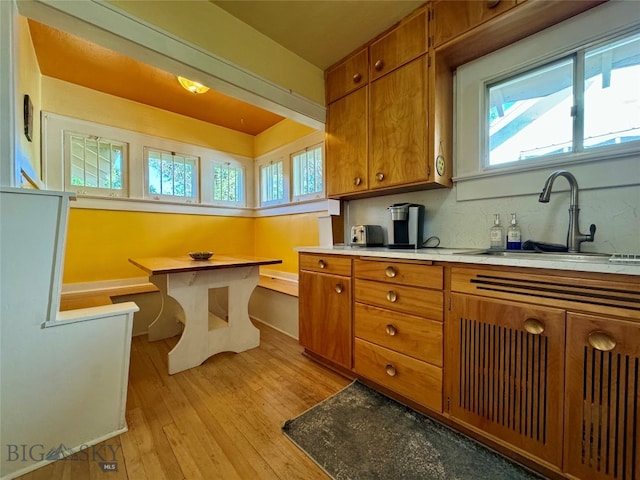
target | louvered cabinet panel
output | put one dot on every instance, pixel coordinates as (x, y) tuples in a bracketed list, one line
[(506, 360), (602, 437)]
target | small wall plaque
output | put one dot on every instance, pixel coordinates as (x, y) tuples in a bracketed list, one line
[(28, 117)]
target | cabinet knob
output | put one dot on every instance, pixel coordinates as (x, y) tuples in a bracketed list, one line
[(357, 181), (492, 3), (339, 288), (390, 272), (533, 326), (322, 264), (391, 330), (391, 370), (392, 296), (379, 176), (601, 341), (378, 65), (356, 78)]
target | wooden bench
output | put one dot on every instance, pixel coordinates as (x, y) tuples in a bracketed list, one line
[(95, 298), (277, 284)]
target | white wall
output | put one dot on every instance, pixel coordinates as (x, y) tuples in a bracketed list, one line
[(615, 211)]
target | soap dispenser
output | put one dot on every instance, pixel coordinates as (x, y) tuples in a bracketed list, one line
[(496, 234), (514, 237)]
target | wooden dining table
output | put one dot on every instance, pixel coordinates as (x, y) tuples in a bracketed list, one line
[(188, 282)]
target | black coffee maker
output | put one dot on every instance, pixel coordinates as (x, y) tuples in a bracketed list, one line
[(406, 225)]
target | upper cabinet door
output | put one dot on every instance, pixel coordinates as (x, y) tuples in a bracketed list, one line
[(401, 45), (398, 127), (453, 18), (348, 76)]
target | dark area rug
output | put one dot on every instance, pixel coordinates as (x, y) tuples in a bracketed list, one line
[(361, 434)]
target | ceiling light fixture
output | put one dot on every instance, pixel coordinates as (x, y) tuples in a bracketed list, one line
[(191, 86)]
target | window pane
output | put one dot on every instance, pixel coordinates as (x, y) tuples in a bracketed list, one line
[(95, 162), (272, 182), (172, 174), (307, 172), (612, 94), (530, 114), (227, 183)]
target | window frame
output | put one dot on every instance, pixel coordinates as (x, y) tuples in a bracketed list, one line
[(301, 197), (195, 182), (596, 169), (88, 190), (207, 191)]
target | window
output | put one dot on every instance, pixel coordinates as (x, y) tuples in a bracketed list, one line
[(94, 165), (171, 175), (228, 183), (272, 183), (308, 173), (586, 101)]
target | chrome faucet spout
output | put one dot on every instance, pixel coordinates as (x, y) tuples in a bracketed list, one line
[(574, 237)]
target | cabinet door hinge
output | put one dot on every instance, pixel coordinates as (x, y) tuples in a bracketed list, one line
[(449, 303), (448, 404), (428, 60)]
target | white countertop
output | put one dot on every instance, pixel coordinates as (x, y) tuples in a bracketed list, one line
[(465, 255)]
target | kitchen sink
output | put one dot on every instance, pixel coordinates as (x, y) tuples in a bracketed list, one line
[(551, 256)]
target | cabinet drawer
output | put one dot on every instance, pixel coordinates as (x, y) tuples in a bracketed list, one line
[(427, 276), (400, 46), (412, 300), (349, 75), (414, 336), (407, 376), (325, 264)]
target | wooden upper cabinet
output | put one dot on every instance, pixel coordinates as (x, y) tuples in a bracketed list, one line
[(453, 18), (347, 76), (401, 45), (398, 127), (346, 144)]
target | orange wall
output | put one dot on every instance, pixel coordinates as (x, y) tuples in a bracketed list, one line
[(278, 236), (100, 242)]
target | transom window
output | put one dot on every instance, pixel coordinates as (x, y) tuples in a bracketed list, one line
[(94, 165), (272, 183), (308, 173), (228, 183), (171, 174), (586, 101)]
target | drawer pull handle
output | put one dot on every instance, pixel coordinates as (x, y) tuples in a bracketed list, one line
[(391, 330), (357, 77), (357, 181), (339, 288), (378, 65), (379, 176), (492, 4), (391, 370), (533, 326), (322, 264), (601, 341), (392, 296), (390, 272)]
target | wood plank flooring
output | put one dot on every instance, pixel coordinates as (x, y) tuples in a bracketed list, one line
[(218, 421)]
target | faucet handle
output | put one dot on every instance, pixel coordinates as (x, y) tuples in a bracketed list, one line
[(592, 232)]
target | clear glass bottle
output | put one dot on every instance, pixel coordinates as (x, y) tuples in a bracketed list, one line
[(497, 234), (514, 236)]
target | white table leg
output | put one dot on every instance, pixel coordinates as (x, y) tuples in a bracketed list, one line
[(169, 321), (198, 342)]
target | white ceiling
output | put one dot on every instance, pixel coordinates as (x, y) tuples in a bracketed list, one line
[(320, 31)]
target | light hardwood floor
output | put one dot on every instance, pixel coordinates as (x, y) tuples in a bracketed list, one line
[(218, 421)]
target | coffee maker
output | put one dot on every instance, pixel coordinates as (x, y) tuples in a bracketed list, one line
[(406, 225)]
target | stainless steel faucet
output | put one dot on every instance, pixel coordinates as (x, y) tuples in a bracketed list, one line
[(574, 237)]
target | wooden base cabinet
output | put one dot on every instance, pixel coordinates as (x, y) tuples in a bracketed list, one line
[(602, 424), (325, 324), (506, 362)]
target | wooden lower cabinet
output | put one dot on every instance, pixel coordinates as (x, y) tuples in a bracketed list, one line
[(411, 378), (602, 423), (506, 363), (325, 316)]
